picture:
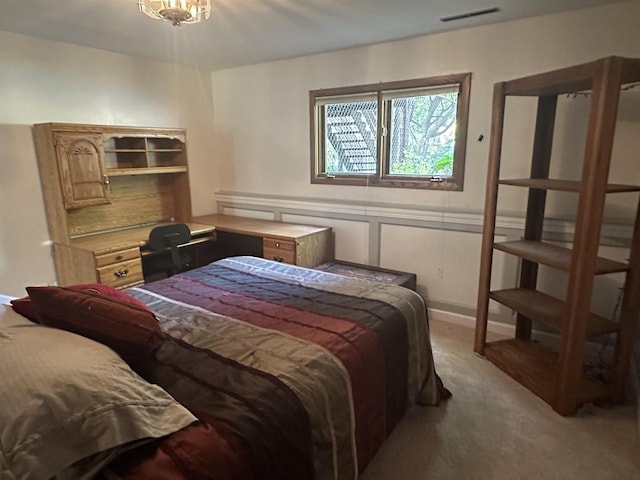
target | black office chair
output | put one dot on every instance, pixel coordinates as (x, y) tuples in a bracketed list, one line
[(169, 237)]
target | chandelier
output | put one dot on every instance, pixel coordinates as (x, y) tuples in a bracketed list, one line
[(176, 11)]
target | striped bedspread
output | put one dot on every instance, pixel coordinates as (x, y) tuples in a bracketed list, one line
[(331, 362)]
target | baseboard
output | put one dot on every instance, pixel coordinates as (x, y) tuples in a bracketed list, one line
[(470, 322), (498, 328)]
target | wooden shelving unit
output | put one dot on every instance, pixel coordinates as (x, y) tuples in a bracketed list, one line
[(557, 377)]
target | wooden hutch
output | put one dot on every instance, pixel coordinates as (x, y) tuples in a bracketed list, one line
[(105, 188), (98, 178)]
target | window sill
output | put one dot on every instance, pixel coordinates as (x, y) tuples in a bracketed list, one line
[(447, 184)]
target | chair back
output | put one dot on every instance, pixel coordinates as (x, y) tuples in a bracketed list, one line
[(170, 237)]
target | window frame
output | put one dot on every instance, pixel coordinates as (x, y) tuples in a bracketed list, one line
[(382, 178)]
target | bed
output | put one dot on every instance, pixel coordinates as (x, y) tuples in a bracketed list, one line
[(287, 372)]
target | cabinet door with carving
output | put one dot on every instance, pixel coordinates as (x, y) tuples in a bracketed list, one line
[(83, 176)]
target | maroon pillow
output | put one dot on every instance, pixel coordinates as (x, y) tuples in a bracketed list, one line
[(132, 331), (108, 291), (24, 307)]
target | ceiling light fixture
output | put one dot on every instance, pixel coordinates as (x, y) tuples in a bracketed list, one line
[(176, 11)]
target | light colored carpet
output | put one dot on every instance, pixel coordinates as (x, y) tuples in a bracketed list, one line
[(494, 428)]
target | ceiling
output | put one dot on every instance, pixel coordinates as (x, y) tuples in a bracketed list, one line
[(242, 32)]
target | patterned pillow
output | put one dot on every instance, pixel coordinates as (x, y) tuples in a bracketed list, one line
[(132, 331)]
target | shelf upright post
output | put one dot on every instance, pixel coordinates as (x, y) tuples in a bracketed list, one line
[(491, 202), (593, 187), (540, 162)]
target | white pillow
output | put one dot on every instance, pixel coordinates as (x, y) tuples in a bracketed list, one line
[(65, 397)]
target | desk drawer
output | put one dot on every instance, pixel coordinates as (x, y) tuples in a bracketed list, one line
[(122, 273), (279, 250), (119, 256)]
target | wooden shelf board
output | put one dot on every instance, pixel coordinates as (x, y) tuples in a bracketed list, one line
[(555, 256), (536, 367), (115, 172), (547, 310), (164, 150), (563, 185), (125, 150)]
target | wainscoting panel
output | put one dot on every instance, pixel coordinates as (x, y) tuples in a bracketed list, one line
[(442, 247), (351, 238), (241, 212)]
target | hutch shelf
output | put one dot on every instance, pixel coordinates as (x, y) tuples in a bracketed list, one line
[(557, 376)]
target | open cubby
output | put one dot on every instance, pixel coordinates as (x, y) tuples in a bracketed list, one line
[(138, 154), (125, 144), (165, 144)]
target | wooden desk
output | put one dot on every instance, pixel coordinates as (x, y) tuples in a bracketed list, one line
[(303, 245), (116, 258), (112, 258)]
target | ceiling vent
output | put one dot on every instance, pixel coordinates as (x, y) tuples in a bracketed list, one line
[(477, 13)]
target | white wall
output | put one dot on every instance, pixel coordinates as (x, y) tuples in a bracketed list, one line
[(43, 81), (262, 138), (259, 115), (262, 117)]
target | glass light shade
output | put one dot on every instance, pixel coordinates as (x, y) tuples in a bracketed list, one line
[(176, 11)]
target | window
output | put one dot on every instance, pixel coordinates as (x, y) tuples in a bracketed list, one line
[(409, 134)]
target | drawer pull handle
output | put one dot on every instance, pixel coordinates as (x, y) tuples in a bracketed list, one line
[(119, 257), (277, 258), (121, 273), (277, 244)]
